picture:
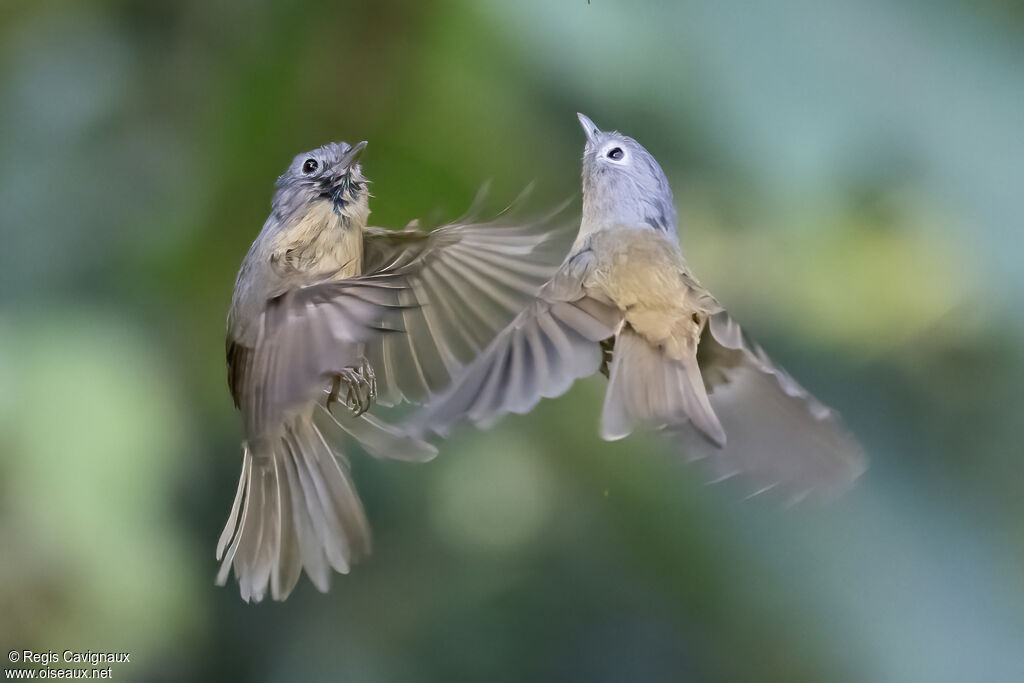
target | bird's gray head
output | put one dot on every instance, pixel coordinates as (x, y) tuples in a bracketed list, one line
[(327, 174), (623, 184)]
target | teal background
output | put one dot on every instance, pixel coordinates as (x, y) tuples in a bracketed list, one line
[(849, 183)]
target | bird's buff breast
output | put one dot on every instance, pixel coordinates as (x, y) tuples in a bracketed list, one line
[(322, 241), (637, 267), (644, 274)]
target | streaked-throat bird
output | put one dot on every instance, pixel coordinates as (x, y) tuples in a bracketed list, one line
[(330, 317), (624, 302)]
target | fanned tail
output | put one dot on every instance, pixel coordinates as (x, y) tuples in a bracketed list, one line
[(648, 387), (296, 508)]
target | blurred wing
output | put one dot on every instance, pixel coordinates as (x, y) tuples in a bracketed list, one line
[(239, 363), (540, 354), (306, 336), (463, 283), (778, 435)]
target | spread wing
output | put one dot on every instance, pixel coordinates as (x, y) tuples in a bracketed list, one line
[(539, 355), (553, 342), (306, 335), (462, 284), (779, 435)]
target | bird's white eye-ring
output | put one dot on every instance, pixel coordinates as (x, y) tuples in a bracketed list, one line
[(310, 166), (615, 154)]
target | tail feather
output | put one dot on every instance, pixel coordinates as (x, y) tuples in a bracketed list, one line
[(246, 529), (287, 570), (647, 387), (251, 544), (295, 509), (320, 504), (228, 533), (311, 555)]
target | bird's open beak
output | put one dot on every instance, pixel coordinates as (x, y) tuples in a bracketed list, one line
[(589, 128), (352, 154)]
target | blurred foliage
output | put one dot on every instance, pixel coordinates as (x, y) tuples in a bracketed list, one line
[(848, 177)]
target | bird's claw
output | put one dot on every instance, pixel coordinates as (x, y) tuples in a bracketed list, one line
[(360, 384)]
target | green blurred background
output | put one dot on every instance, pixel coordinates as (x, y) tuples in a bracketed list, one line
[(849, 178)]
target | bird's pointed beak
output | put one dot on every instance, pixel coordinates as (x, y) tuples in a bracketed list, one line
[(352, 154), (591, 130)]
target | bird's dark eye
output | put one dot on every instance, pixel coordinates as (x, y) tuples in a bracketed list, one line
[(310, 166), (615, 153)]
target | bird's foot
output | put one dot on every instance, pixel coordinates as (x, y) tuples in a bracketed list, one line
[(360, 386)]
